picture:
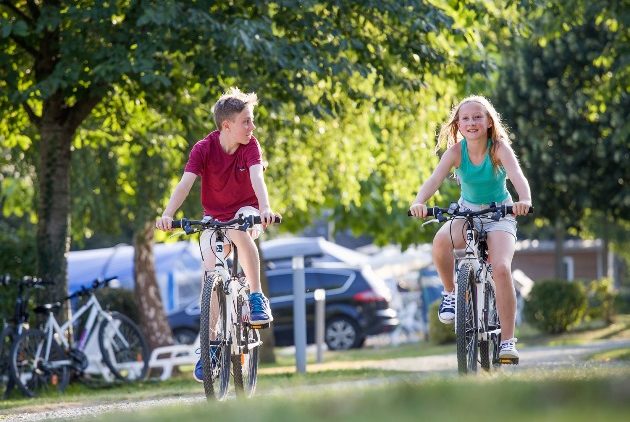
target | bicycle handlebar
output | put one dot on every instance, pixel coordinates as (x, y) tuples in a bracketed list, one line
[(86, 291), (454, 211), (239, 223), (26, 281)]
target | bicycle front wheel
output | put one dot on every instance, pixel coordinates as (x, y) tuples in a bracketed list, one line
[(214, 340), (245, 364), (466, 320), (124, 348), (33, 370)]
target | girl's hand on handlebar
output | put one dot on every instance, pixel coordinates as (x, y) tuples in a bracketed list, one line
[(521, 207), (164, 223), (267, 216), (418, 210)]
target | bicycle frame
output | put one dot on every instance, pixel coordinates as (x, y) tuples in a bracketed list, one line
[(53, 329), (483, 275), (229, 283)]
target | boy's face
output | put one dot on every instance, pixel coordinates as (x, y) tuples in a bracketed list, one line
[(241, 126)]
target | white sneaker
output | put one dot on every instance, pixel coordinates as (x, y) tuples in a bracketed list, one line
[(446, 313), (508, 350)]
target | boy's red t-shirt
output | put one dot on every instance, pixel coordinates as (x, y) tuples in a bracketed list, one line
[(225, 182)]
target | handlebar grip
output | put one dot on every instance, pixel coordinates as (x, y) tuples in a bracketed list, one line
[(276, 219), (508, 210), (176, 224), (429, 212)]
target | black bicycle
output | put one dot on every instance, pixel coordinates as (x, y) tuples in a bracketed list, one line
[(477, 324), (226, 334), (16, 326)]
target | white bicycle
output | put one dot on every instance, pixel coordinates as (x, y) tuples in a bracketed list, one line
[(477, 325), (41, 359), (226, 334)]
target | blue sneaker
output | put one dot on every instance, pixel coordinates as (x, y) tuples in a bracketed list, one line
[(260, 313), (198, 371)]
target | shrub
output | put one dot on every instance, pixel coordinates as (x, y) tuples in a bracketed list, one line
[(622, 302), (601, 300), (555, 305), (120, 300), (439, 333)]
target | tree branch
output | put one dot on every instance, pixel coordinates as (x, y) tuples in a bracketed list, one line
[(82, 108), (35, 119), (30, 50), (18, 12), (34, 9)]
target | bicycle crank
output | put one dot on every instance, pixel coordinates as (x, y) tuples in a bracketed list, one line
[(79, 359)]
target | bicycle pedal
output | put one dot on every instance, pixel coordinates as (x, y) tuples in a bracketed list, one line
[(259, 326), (508, 361)]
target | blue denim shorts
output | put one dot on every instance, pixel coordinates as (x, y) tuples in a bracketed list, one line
[(505, 224)]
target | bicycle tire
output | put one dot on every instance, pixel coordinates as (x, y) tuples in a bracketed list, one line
[(5, 359), (124, 348), (466, 320), (489, 349), (245, 365), (215, 378), (31, 371)]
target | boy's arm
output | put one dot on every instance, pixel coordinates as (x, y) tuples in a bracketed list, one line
[(177, 199), (260, 189)]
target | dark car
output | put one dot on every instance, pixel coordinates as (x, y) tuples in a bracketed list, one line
[(357, 306)]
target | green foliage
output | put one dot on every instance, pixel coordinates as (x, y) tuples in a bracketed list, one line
[(439, 333), (563, 89), (622, 302), (601, 300), (554, 306)]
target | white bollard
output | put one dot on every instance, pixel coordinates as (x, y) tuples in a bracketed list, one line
[(320, 322)]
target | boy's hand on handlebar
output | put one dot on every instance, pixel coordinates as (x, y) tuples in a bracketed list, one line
[(164, 223), (418, 210), (267, 216), (521, 207)]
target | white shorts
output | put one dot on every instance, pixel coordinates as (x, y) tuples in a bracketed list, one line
[(254, 232), (505, 224)]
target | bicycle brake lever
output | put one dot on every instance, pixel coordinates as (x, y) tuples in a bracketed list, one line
[(431, 221)]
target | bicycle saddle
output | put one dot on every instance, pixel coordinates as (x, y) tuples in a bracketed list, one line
[(47, 307)]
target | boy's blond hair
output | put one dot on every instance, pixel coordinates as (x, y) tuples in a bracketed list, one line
[(231, 103), (449, 132)]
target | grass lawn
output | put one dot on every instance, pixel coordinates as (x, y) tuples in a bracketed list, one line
[(345, 367), (599, 393)]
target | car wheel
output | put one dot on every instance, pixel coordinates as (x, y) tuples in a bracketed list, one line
[(184, 336), (342, 333)]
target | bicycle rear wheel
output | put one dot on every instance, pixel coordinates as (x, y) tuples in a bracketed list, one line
[(124, 348), (32, 371), (213, 338), (5, 359), (466, 320), (245, 364), (489, 349)]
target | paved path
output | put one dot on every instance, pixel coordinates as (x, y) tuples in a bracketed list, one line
[(534, 357)]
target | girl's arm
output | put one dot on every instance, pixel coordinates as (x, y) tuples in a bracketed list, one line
[(260, 189), (449, 160), (506, 155)]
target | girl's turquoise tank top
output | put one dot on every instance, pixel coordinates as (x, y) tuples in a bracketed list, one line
[(481, 184)]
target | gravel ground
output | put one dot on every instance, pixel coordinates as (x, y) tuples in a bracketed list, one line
[(534, 357)]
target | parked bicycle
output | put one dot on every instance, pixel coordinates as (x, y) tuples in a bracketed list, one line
[(44, 358), (226, 334), (16, 326), (477, 324)]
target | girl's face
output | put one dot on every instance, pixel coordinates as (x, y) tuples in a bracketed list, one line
[(473, 121)]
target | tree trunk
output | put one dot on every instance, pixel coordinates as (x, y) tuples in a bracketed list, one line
[(53, 208), (267, 354), (559, 250), (152, 315)]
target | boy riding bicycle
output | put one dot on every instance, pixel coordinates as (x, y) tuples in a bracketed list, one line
[(229, 162)]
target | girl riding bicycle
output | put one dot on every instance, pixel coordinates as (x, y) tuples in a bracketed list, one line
[(478, 147)]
